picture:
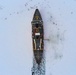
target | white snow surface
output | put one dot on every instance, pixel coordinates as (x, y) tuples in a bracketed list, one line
[(16, 52)]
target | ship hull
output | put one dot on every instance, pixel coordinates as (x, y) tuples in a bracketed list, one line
[(37, 36)]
